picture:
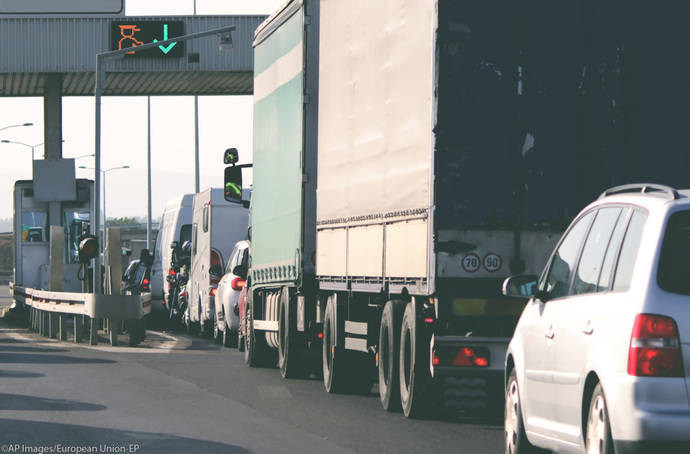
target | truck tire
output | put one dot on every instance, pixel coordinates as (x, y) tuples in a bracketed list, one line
[(414, 363), (334, 377), (290, 358), (389, 355), (257, 353)]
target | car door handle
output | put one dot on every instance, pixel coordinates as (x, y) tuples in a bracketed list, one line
[(549, 334)]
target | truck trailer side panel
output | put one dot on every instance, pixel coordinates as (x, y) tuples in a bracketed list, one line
[(376, 85), (276, 212)]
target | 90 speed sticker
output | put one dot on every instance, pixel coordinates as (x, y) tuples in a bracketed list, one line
[(492, 262), (471, 262)]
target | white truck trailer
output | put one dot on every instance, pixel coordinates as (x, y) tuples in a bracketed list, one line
[(408, 156)]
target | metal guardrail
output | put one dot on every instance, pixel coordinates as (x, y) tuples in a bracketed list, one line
[(47, 311)]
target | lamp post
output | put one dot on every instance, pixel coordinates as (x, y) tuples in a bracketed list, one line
[(103, 173), (16, 126), (33, 147)]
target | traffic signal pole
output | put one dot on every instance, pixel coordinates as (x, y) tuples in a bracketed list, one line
[(98, 92)]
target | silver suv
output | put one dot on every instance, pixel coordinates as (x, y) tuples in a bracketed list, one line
[(600, 359)]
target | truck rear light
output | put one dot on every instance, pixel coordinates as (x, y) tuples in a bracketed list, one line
[(654, 347), (238, 283), (461, 357)]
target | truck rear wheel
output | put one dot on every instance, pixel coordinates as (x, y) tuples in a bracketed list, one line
[(333, 357), (389, 355), (290, 360), (413, 365), (256, 352)]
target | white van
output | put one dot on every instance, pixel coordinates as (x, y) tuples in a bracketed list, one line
[(175, 225), (217, 225)]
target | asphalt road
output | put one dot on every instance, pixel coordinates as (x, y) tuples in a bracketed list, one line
[(185, 394)]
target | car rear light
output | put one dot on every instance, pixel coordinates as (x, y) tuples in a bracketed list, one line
[(654, 347), (212, 291), (238, 283), (461, 357), (145, 284), (320, 335), (183, 295)]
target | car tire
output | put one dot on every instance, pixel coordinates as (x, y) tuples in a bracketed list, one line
[(389, 355), (598, 439), (230, 338), (516, 441)]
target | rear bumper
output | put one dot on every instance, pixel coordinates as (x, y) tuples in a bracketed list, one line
[(651, 446), (647, 408)]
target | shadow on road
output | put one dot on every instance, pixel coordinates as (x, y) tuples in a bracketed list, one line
[(20, 402), (12, 348), (37, 358), (31, 433), (19, 374)]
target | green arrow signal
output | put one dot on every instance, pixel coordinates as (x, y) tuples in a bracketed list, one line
[(168, 48)]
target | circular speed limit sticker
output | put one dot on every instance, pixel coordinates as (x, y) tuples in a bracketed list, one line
[(471, 262), (492, 262)]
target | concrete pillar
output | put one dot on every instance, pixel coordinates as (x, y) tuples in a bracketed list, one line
[(52, 132), (52, 116), (57, 257)]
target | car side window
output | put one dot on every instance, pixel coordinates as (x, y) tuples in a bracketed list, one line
[(626, 259), (205, 219), (194, 229), (245, 258), (557, 282), (612, 249), (588, 269)]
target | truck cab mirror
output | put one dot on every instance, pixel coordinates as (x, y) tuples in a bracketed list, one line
[(520, 286), (88, 248), (233, 184), (231, 156)]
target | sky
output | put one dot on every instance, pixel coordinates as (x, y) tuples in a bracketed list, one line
[(224, 121)]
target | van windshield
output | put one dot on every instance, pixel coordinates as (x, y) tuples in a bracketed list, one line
[(673, 274)]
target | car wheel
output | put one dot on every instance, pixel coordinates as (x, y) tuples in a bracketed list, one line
[(516, 441), (218, 335), (229, 336), (598, 438)]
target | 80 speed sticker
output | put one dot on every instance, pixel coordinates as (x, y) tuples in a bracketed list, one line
[(471, 262)]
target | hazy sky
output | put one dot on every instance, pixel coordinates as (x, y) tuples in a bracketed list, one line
[(224, 121)]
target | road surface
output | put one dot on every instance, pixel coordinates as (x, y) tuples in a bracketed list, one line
[(185, 394)]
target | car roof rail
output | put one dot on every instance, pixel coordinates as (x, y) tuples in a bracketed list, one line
[(643, 188)]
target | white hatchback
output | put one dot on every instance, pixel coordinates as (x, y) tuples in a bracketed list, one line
[(600, 359)]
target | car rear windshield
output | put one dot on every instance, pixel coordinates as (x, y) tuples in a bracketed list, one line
[(674, 264)]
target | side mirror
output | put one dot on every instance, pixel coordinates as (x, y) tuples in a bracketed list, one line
[(88, 248), (216, 270), (233, 184), (173, 245), (520, 286), (241, 271), (231, 156)]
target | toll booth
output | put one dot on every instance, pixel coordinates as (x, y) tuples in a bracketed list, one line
[(40, 204)]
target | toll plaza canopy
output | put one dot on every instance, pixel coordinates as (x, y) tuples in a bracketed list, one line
[(36, 50)]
